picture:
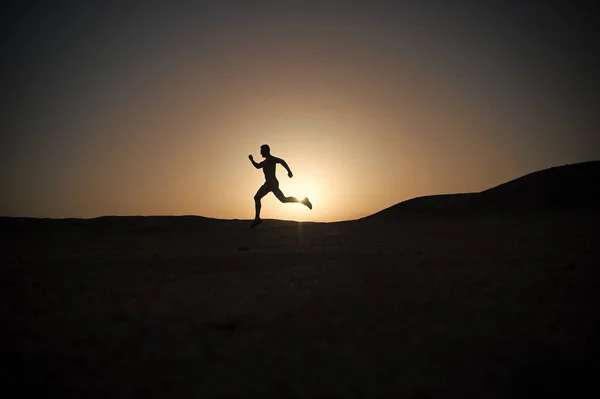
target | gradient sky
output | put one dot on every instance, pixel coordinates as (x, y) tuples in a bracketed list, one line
[(151, 108)]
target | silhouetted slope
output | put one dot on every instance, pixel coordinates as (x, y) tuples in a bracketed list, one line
[(570, 186), (564, 187)]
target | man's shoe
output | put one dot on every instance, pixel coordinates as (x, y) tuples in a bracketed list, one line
[(306, 202)]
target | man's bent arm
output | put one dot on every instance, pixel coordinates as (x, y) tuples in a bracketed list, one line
[(285, 165), (256, 165)]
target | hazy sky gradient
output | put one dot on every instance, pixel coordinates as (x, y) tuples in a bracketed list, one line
[(151, 108)]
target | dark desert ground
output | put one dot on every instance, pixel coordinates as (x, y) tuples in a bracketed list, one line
[(484, 295)]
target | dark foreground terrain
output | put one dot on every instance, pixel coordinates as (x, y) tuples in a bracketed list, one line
[(482, 305)]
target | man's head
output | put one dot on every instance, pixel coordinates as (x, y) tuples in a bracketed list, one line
[(265, 150)]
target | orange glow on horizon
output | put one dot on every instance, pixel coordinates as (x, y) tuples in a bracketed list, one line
[(367, 112)]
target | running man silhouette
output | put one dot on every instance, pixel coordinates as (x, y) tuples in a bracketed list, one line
[(271, 183)]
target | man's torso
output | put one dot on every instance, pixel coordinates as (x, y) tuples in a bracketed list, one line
[(269, 165)]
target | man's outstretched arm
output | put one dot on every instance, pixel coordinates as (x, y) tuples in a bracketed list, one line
[(285, 165), (256, 165)]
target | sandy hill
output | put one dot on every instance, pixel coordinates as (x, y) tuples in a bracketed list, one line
[(572, 186)]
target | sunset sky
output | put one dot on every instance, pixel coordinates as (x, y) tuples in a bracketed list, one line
[(152, 108)]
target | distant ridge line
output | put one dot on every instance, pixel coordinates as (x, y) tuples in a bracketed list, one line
[(571, 186)]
